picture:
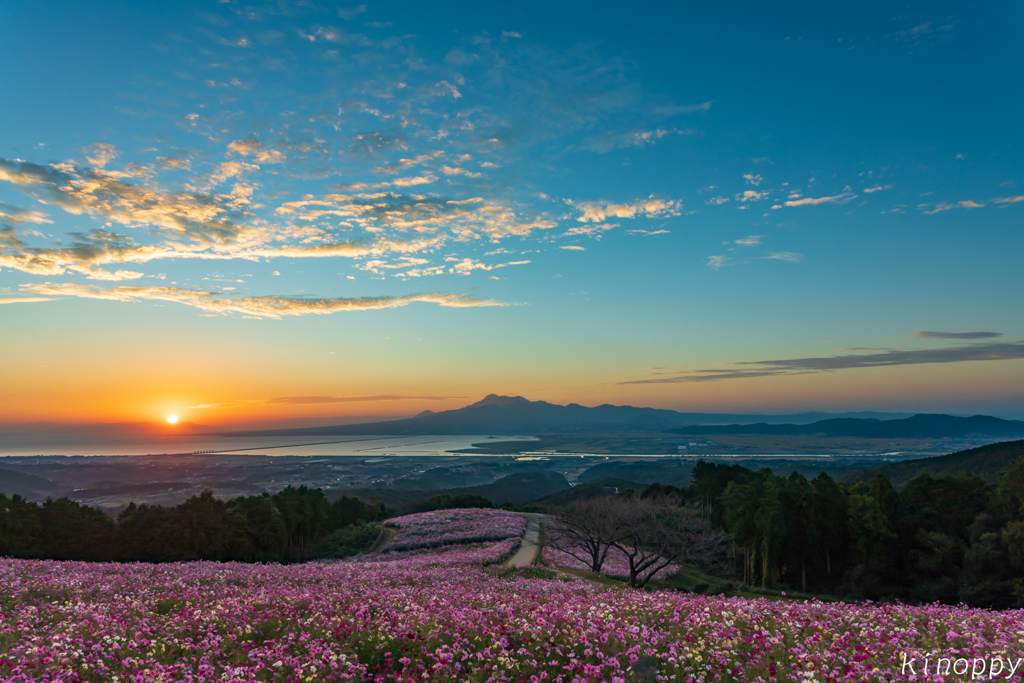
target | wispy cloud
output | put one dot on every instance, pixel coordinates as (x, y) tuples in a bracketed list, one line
[(597, 211), (648, 233), (791, 256), (716, 262), (377, 212), (101, 153), (617, 139), (926, 34), (173, 163), (260, 306), (252, 147), (467, 265), (13, 214), (312, 400), (752, 241), (195, 225), (594, 230), (98, 248), (229, 404), (813, 365), (25, 300), (814, 201), (673, 109), (349, 13), (408, 146), (957, 335), (79, 191), (946, 206), (455, 170)]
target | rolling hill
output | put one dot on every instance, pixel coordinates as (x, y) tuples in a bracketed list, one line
[(517, 488), (29, 486), (986, 462), (917, 426), (673, 471)]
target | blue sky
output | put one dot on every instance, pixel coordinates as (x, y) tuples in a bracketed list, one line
[(728, 207)]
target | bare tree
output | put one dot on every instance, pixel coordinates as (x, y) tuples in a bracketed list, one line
[(585, 530), (656, 532), (653, 533)]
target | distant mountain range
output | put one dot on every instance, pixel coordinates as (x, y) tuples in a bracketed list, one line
[(917, 426), (508, 415), (511, 415)]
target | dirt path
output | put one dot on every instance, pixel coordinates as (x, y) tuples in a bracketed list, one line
[(386, 534), (529, 549), (529, 553)]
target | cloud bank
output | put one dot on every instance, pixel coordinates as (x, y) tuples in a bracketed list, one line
[(880, 358), (957, 335), (313, 400), (259, 306)]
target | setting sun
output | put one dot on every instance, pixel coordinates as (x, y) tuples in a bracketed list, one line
[(172, 419)]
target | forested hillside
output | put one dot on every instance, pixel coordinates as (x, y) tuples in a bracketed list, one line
[(986, 462), (940, 538), (292, 525)]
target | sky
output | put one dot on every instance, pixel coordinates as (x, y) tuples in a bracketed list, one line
[(239, 213)]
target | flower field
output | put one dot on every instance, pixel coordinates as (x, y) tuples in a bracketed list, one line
[(438, 616), (446, 527), (467, 553), (615, 564)]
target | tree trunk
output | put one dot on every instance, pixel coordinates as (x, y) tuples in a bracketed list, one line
[(764, 564), (828, 562), (803, 577)]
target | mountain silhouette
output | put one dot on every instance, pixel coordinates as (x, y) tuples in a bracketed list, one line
[(508, 415)]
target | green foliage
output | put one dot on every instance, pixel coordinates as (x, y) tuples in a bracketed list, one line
[(709, 482), (346, 541), (445, 501), (986, 461), (656, 490), (295, 524), (943, 537), (529, 572), (594, 488)]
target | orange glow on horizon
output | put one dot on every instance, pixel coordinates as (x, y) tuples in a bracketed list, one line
[(223, 399)]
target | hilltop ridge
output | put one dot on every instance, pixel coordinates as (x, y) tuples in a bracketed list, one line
[(916, 426)]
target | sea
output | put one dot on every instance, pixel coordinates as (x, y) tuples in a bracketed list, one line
[(365, 446)]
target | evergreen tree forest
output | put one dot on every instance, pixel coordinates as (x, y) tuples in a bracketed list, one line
[(293, 525), (942, 538)]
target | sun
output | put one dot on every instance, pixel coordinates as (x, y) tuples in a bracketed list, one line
[(172, 419)]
